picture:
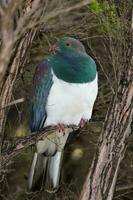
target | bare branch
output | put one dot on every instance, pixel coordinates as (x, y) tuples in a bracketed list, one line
[(31, 139), (1, 11), (53, 14), (132, 23), (27, 141), (101, 180), (13, 103), (28, 15)]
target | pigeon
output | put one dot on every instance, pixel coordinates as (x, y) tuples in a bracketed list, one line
[(65, 87)]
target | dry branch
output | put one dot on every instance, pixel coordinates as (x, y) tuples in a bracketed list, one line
[(12, 58), (27, 141), (53, 14), (101, 180), (31, 139), (16, 65), (13, 103), (100, 183)]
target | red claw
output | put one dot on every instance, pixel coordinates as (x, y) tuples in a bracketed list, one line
[(82, 122), (61, 127)]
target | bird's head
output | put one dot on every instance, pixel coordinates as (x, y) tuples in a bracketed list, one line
[(67, 44), (70, 62)]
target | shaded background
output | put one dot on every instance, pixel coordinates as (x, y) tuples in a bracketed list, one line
[(101, 33)]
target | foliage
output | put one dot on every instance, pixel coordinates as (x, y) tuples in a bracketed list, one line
[(106, 13)]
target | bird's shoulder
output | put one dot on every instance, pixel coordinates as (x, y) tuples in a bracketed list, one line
[(41, 71), (42, 83)]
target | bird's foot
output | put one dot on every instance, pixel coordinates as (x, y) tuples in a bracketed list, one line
[(82, 122), (61, 128)]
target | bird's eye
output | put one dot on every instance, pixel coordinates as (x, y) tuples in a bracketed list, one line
[(68, 44)]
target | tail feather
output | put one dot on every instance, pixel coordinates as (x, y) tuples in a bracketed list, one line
[(52, 182), (37, 171), (46, 165)]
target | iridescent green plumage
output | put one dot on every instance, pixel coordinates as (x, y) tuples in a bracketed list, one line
[(73, 67), (71, 63)]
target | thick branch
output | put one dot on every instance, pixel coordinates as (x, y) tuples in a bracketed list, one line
[(27, 141), (101, 180), (16, 65), (31, 139)]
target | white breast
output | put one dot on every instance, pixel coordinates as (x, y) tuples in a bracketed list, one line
[(68, 103)]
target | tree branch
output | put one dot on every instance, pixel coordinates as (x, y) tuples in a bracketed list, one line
[(13, 103), (53, 14), (27, 141), (101, 180)]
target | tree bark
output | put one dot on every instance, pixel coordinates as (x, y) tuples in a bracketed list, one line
[(101, 180), (12, 56), (15, 67)]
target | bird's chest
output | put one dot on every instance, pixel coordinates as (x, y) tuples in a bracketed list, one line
[(67, 96), (67, 102)]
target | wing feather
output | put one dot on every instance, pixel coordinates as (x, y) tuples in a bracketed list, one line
[(42, 82)]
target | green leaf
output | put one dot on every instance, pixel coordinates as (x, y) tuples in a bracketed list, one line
[(95, 7)]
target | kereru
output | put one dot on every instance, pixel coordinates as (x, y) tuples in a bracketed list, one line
[(64, 91)]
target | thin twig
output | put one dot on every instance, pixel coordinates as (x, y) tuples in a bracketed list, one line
[(124, 187), (53, 14), (13, 103)]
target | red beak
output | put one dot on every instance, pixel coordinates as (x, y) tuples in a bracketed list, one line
[(54, 48)]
